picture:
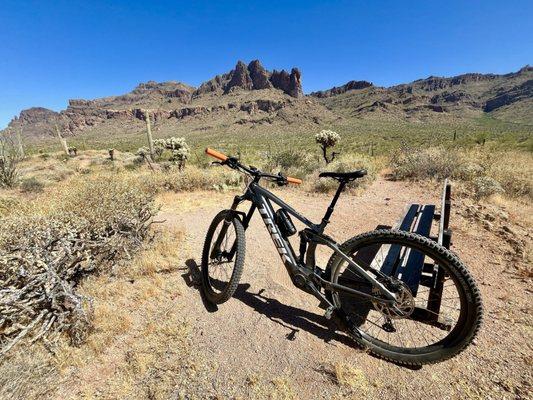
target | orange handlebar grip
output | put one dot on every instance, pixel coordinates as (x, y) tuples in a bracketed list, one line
[(294, 180), (216, 154)]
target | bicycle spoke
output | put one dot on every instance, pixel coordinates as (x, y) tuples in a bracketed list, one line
[(408, 332)]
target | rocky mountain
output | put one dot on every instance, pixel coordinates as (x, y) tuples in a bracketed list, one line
[(249, 95), (459, 96), (176, 100), (352, 85), (254, 77)]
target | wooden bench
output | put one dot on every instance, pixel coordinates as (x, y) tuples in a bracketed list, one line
[(411, 267), (418, 219)]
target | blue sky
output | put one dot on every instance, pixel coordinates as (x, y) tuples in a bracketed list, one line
[(55, 50)]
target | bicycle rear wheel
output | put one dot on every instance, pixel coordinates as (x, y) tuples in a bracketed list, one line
[(439, 310), (223, 257)]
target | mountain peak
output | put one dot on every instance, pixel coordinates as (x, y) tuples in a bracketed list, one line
[(254, 77)]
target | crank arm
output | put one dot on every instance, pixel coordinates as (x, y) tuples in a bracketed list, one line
[(316, 292)]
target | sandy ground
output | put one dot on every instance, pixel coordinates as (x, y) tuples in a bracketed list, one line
[(271, 330), (271, 340)]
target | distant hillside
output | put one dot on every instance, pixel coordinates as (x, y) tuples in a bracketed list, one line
[(249, 97), (507, 97), (248, 94)]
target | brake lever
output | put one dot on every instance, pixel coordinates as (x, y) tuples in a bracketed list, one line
[(281, 180), (216, 163)]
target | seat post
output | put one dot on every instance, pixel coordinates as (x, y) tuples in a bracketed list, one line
[(329, 211)]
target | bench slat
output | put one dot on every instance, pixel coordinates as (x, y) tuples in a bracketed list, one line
[(412, 270), (391, 259)]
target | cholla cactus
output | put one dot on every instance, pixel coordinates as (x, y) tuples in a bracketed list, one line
[(179, 156), (179, 150), (326, 139), (143, 152), (159, 147)]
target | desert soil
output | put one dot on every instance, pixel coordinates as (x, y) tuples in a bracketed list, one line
[(271, 330), (272, 341)]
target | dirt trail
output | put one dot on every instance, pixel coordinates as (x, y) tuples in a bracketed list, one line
[(272, 332)]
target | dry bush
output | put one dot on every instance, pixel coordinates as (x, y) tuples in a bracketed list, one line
[(48, 246), (189, 179), (297, 163), (31, 185), (485, 171), (513, 170), (484, 186), (431, 163), (346, 163)]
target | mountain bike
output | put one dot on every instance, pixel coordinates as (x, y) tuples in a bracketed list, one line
[(379, 310)]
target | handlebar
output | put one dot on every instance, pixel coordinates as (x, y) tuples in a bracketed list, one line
[(216, 154), (235, 164)]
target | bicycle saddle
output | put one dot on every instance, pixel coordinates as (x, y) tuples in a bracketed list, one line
[(348, 176)]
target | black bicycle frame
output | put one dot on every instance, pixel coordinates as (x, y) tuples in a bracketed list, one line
[(262, 200)]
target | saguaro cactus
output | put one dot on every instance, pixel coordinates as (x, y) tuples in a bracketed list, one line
[(62, 141), (149, 133), (19, 139)]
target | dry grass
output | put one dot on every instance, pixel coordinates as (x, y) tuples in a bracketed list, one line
[(351, 377), (41, 173), (484, 171), (137, 301)]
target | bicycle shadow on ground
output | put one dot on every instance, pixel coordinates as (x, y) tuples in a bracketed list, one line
[(292, 318)]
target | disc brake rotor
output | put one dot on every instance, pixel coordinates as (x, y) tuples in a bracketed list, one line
[(404, 306)]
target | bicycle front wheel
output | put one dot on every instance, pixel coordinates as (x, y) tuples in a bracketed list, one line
[(223, 257), (438, 310)]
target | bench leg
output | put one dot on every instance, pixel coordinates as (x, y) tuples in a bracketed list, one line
[(435, 293)]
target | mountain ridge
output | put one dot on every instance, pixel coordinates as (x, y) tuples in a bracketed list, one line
[(250, 94)]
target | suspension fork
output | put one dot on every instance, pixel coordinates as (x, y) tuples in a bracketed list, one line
[(245, 219)]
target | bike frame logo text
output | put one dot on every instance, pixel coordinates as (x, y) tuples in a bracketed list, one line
[(278, 241)]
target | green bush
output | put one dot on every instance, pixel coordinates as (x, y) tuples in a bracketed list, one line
[(290, 162)]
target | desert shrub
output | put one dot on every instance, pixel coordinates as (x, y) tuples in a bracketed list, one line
[(468, 171), (431, 163), (484, 186), (47, 247), (191, 178), (514, 171), (9, 161), (31, 185), (345, 163), (291, 162)]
